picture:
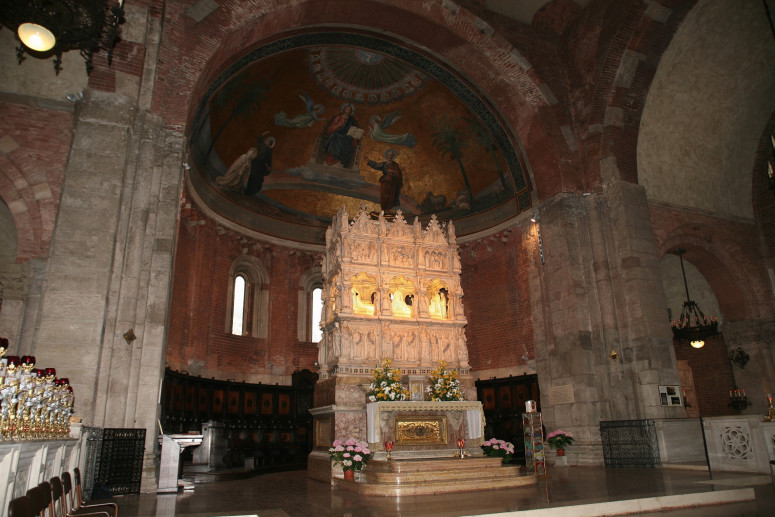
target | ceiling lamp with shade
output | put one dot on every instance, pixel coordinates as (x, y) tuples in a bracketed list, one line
[(50, 27)]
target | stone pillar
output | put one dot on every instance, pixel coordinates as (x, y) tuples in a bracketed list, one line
[(599, 291), (110, 266)]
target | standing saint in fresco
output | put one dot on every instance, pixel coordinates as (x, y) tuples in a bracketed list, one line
[(390, 182), (340, 139)]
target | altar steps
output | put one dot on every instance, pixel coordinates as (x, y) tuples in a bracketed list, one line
[(435, 476)]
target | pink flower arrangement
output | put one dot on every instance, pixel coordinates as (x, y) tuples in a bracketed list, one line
[(498, 448), (559, 439), (351, 454)]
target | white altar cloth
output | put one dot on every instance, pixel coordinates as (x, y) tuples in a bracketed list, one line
[(376, 411)]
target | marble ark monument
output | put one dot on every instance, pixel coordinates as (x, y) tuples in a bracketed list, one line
[(391, 290)]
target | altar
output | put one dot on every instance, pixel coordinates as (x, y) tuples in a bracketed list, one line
[(423, 429)]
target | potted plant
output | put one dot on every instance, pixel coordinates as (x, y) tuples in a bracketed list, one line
[(351, 454), (498, 448), (443, 384), (386, 385), (559, 439)]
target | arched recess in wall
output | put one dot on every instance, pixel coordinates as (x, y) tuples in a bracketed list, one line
[(446, 32), (256, 309), (7, 235), (736, 277), (7, 246)]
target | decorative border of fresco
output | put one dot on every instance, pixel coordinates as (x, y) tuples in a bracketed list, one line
[(430, 67)]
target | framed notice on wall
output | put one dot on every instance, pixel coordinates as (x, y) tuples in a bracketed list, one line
[(670, 395)]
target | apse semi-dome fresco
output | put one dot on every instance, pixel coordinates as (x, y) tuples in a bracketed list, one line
[(306, 124)]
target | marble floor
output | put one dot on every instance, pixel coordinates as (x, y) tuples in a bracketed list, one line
[(566, 491)]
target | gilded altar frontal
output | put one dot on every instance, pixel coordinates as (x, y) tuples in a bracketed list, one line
[(421, 430)]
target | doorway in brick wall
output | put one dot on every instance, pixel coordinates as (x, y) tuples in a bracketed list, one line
[(503, 401), (687, 389)]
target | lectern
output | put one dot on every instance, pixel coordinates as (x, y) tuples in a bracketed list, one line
[(171, 447)]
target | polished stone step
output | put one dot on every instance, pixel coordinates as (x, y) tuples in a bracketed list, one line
[(435, 476)]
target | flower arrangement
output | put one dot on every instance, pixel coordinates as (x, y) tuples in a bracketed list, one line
[(498, 448), (351, 454), (559, 439), (386, 385), (443, 384)]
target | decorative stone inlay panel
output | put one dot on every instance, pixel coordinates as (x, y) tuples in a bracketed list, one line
[(739, 443), (736, 440)]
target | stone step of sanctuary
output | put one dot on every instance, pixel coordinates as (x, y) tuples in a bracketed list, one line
[(435, 476)]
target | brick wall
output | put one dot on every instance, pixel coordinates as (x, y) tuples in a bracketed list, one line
[(32, 167), (497, 301), (198, 341)]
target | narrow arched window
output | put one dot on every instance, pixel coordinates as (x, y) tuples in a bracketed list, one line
[(310, 306), (248, 298), (317, 310), (238, 314)]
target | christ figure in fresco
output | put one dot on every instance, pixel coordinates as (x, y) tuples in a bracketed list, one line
[(338, 142)]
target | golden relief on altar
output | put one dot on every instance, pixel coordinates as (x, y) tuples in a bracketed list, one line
[(420, 430)]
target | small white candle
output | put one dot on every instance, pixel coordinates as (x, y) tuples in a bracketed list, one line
[(769, 169)]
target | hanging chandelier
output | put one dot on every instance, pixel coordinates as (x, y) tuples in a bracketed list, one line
[(693, 324), (50, 27)]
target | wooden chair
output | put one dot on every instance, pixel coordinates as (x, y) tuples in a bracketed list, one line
[(40, 496), (59, 501), (78, 491), (21, 507), (75, 498)]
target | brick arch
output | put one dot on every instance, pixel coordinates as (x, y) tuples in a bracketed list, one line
[(17, 194), (32, 166), (449, 33), (642, 36), (734, 274)]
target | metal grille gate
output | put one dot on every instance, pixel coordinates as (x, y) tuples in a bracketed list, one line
[(630, 443), (114, 459)]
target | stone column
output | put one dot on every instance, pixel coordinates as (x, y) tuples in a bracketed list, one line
[(599, 291), (110, 266)]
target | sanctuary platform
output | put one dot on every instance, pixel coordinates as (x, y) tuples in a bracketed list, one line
[(435, 476)]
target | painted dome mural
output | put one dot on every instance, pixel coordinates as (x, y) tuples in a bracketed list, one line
[(307, 124)]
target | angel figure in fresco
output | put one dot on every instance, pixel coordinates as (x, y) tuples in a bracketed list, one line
[(340, 138), (390, 182), (377, 132), (246, 174), (306, 119)]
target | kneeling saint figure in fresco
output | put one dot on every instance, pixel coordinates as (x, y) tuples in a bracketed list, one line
[(390, 182), (246, 174)]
